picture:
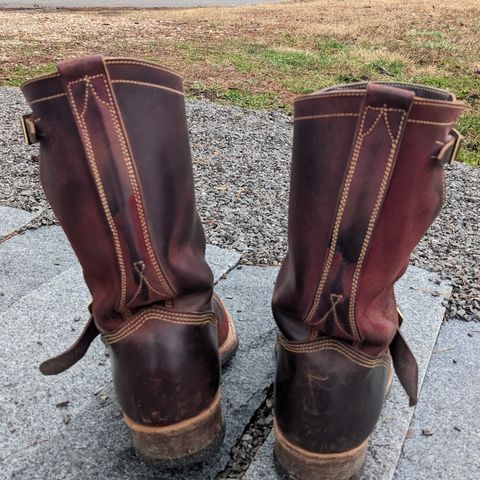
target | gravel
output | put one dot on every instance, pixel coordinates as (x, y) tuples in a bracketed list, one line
[(241, 164)]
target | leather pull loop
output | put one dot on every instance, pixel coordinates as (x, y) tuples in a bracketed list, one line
[(406, 366), (449, 152), (76, 352)]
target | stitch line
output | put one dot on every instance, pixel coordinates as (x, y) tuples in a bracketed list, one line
[(134, 183), (372, 221), (132, 176), (144, 64), (326, 115), (103, 199), (338, 219), (426, 122), (140, 320), (331, 344), (44, 99), (328, 95), (147, 84)]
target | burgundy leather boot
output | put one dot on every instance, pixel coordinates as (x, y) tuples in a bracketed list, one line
[(367, 182), (115, 166)]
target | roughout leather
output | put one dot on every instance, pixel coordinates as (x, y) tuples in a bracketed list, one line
[(115, 166), (367, 182)]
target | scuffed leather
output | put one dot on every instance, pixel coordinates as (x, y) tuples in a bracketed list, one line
[(324, 401), (165, 373)]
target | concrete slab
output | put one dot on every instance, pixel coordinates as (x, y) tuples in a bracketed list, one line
[(36, 256), (421, 301), (30, 259), (87, 438), (445, 431), (12, 219)]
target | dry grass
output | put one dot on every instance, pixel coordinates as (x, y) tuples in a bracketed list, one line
[(262, 56)]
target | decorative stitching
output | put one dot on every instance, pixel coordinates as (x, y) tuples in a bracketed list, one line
[(327, 115), (331, 344), (50, 97), (383, 113), (103, 199), (133, 180), (329, 95), (158, 314), (373, 218), (152, 85), (143, 63), (336, 229), (425, 122), (421, 101), (41, 77)]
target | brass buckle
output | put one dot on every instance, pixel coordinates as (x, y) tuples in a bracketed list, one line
[(457, 145), (28, 128)]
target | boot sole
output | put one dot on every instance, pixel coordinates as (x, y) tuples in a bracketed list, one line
[(296, 463), (180, 444)]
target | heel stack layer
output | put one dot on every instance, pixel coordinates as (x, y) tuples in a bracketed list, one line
[(180, 444), (298, 464)]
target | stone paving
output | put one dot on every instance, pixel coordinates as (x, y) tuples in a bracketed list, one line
[(43, 304)]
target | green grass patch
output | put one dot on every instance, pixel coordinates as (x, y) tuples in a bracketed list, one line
[(17, 75), (469, 127)]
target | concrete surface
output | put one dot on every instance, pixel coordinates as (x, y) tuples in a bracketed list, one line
[(423, 313), (128, 3), (12, 219), (43, 302), (444, 437)]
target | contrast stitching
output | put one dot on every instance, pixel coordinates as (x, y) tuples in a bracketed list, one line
[(336, 229), (419, 101), (329, 95), (144, 64), (375, 213), (152, 85), (42, 77), (327, 115), (331, 344), (139, 320), (425, 122), (133, 180), (51, 97), (103, 198)]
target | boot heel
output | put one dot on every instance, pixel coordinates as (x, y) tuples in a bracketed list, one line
[(183, 443), (299, 464)]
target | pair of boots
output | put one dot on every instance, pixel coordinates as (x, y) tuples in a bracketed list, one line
[(367, 182)]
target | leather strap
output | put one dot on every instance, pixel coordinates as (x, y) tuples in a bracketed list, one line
[(380, 127), (76, 352)]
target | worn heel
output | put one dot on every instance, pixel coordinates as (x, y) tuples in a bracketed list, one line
[(183, 443), (296, 463)]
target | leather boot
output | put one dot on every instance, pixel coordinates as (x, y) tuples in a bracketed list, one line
[(115, 166), (367, 182)]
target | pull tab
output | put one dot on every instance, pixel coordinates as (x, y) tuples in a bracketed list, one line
[(449, 151), (405, 365), (29, 130), (70, 357)]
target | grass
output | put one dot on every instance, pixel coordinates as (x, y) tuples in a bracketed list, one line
[(263, 56)]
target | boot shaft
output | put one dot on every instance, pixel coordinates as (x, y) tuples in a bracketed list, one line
[(116, 168), (367, 182)]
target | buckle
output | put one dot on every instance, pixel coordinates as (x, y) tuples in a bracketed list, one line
[(28, 128), (457, 144), (449, 151)]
